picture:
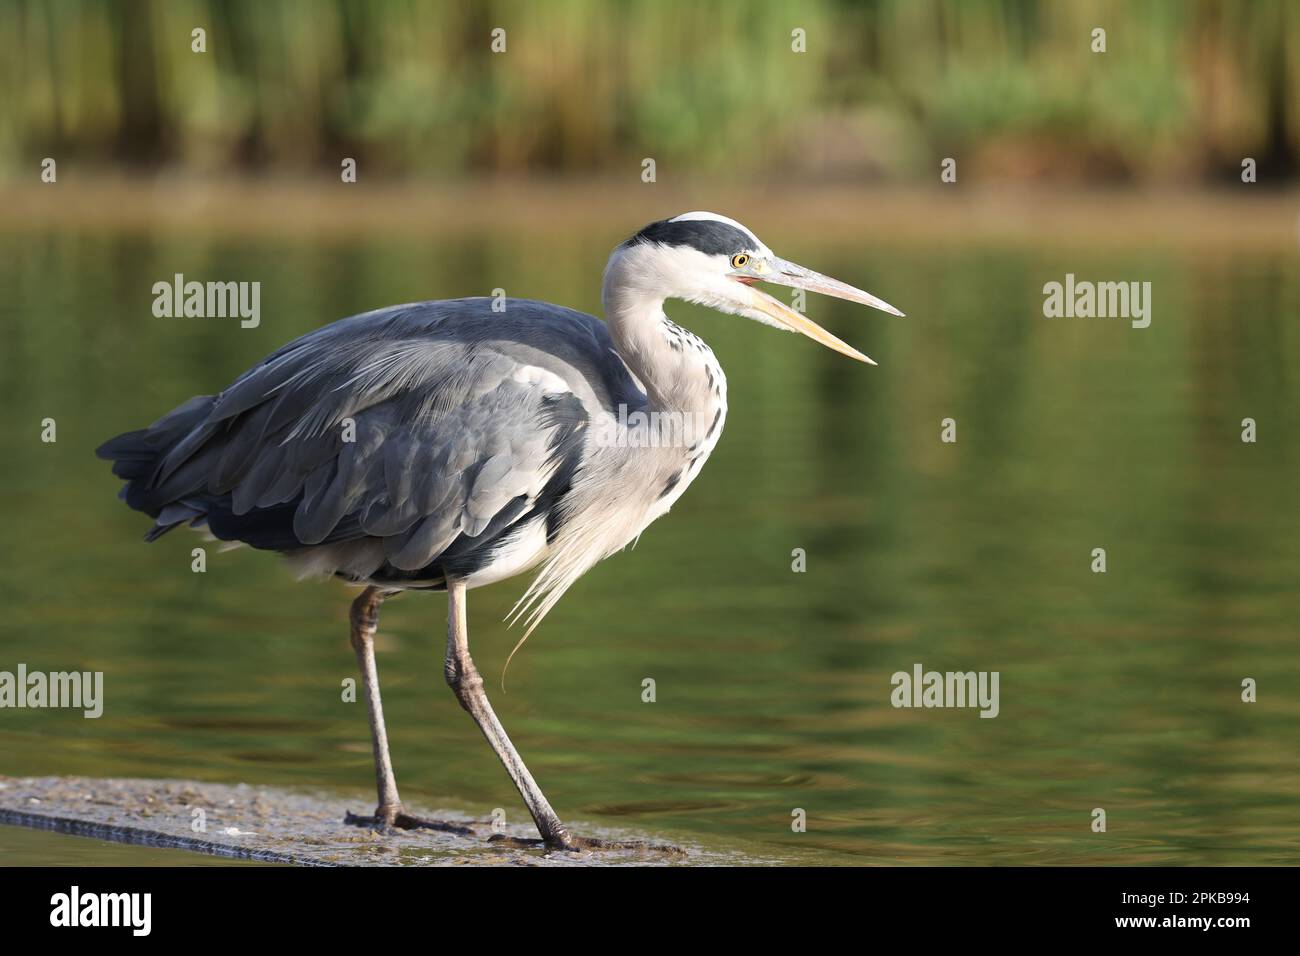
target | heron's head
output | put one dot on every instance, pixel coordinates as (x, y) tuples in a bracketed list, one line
[(711, 260)]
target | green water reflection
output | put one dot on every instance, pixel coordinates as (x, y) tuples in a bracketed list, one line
[(1119, 690)]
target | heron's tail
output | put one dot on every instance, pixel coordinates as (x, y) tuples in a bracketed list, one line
[(141, 458)]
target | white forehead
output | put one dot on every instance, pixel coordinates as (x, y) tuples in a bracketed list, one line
[(702, 214)]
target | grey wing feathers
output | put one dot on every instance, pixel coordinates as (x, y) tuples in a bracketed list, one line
[(461, 420)]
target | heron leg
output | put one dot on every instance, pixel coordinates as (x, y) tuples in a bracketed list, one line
[(365, 621), (465, 681), (389, 813)]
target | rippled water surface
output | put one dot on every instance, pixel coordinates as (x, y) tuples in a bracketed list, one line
[(1119, 690)]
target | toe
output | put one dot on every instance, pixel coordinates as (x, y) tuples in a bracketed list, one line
[(404, 821)]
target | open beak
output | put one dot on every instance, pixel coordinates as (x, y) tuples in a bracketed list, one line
[(782, 272)]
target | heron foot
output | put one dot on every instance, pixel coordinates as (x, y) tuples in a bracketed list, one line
[(570, 843), (394, 818)]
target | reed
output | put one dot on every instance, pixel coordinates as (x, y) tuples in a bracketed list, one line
[(706, 87)]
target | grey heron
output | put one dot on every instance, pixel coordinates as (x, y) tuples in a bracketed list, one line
[(449, 444)]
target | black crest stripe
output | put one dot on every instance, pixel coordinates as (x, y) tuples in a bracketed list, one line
[(707, 235)]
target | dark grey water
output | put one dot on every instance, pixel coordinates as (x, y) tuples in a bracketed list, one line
[(1118, 690)]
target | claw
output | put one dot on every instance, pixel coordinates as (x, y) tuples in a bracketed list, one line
[(386, 819), (579, 844), (399, 820)]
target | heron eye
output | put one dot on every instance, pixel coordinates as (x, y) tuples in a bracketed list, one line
[(739, 260)]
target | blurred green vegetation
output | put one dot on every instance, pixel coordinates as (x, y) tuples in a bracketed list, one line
[(711, 87)]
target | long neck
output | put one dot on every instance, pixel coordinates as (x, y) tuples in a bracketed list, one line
[(678, 372)]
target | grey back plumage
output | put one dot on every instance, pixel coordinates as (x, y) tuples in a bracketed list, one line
[(467, 423)]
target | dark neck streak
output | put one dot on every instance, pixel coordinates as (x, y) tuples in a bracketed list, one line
[(668, 360)]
